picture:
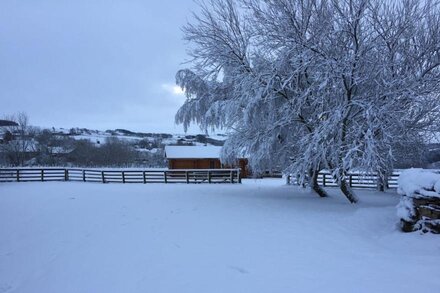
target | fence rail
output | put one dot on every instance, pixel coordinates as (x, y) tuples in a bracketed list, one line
[(355, 180), (122, 176)]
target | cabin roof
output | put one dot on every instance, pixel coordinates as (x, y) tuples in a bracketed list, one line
[(192, 152), (7, 123)]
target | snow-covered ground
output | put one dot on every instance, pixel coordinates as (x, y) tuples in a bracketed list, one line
[(260, 236)]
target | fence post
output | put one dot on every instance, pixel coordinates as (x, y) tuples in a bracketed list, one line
[(84, 175), (123, 177), (350, 180), (239, 175), (187, 177), (323, 179), (66, 174), (103, 176), (382, 182), (231, 176), (18, 175), (379, 183), (209, 176), (145, 178), (42, 175), (165, 176)]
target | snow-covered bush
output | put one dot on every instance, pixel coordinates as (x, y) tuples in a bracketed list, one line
[(419, 206)]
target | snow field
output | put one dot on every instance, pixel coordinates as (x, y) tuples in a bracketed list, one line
[(260, 236)]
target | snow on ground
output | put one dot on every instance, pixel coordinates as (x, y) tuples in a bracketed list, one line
[(260, 236)]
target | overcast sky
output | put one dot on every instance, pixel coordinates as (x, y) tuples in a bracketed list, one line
[(100, 64)]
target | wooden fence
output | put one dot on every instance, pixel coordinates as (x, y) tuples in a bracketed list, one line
[(121, 176), (355, 180)]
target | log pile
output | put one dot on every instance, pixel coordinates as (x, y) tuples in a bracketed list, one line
[(419, 207)]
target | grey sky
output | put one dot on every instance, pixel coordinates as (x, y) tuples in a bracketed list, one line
[(93, 63)]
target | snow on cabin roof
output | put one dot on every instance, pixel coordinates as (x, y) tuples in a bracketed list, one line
[(7, 123), (192, 152)]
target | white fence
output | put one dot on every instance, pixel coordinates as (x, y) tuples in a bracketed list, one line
[(354, 179)]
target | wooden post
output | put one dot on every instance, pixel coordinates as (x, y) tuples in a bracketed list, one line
[(103, 176), (323, 179), (66, 174), (239, 175), (379, 185), (42, 174), (165, 176), (145, 177), (350, 180), (209, 176), (187, 177), (123, 177), (84, 175), (18, 175), (231, 175)]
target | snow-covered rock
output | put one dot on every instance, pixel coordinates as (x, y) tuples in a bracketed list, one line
[(405, 209)]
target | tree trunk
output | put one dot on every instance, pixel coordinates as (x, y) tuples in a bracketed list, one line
[(380, 184), (313, 181), (382, 180), (346, 190), (299, 182)]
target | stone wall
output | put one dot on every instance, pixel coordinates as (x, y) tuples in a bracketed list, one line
[(419, 207), (425, 217)]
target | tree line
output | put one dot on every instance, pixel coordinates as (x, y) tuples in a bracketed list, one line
[(25, 145)]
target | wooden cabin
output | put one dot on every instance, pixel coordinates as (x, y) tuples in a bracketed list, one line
[(4, 123), (199, 157)]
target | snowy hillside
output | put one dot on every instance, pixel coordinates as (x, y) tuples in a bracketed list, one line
[(100, 137), (259, 236), (93, 148)]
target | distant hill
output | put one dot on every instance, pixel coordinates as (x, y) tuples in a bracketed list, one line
[(89, 147), (141, 140)]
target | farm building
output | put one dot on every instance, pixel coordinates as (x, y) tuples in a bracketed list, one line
[(4, 123), (199, 157)]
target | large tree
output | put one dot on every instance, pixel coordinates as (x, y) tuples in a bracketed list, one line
[(308, 85)]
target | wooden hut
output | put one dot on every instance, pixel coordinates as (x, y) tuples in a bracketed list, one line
[(199, 157), (4, 123)]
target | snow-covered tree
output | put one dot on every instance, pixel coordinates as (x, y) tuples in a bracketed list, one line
[(20, 143), (313, 84)]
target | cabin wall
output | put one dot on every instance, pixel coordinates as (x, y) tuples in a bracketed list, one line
[(243, 165), (194, 164), (206, 164)]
